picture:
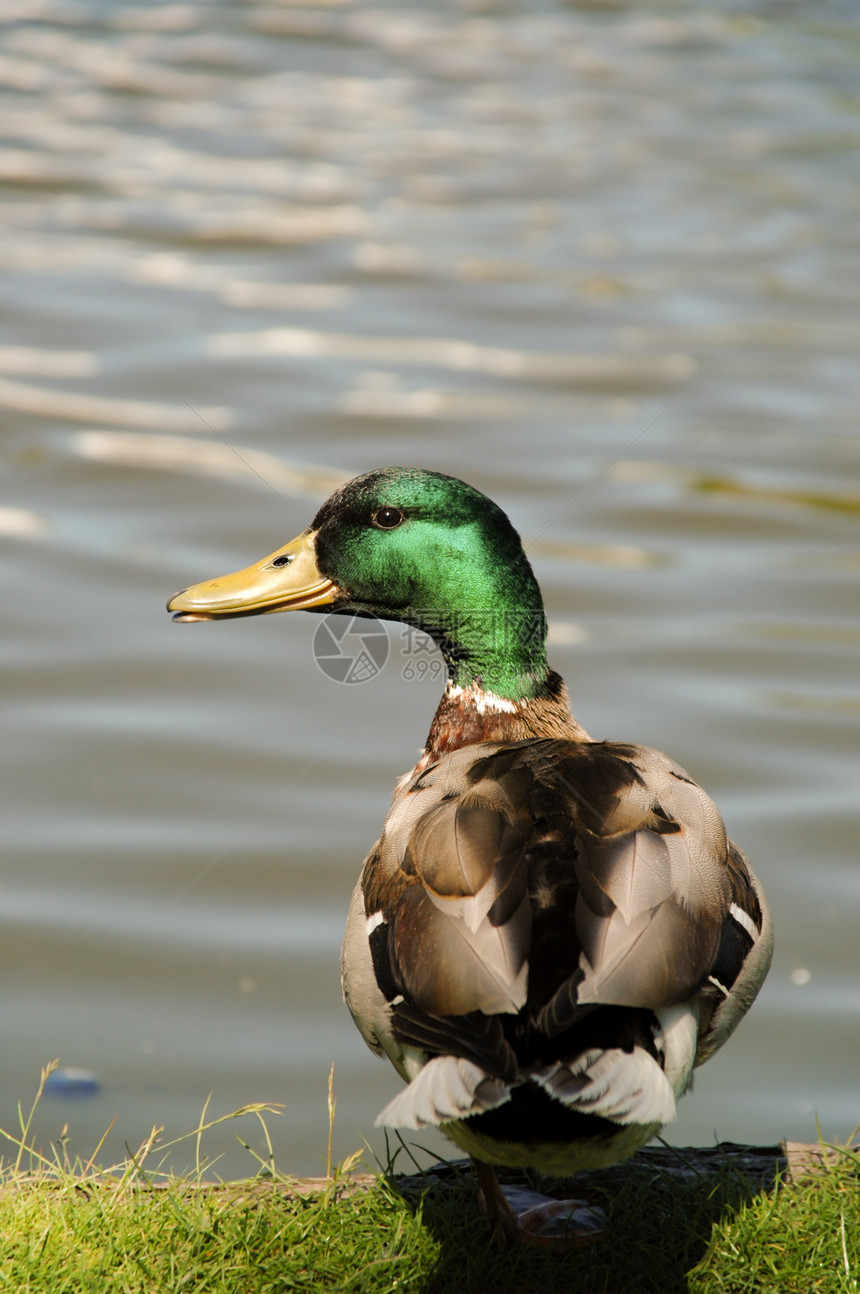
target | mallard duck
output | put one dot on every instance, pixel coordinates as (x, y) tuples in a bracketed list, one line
[(551, 932)]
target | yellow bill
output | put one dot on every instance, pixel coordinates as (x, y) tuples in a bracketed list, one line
[(287, 580)]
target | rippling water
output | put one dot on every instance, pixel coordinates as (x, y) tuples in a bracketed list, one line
[(601, 261)]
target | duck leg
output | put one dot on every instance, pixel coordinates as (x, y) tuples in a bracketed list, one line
[(518, 1215), (494, 1206)]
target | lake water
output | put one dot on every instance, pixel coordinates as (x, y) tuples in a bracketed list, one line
[(602, 261)]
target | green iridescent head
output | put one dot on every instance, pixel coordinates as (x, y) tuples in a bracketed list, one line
[(410, 545)]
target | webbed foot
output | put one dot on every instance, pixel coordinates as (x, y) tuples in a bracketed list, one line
[(520, 1216)]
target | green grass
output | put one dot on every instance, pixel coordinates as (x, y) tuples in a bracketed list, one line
[(698, 1222)]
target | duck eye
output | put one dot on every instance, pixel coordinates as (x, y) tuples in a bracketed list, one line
[(387, 518)]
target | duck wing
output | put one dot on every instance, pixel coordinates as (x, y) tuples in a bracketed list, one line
[(519, 890)]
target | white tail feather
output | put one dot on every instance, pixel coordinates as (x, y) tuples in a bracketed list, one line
[(626, 1087), (448, 1087)]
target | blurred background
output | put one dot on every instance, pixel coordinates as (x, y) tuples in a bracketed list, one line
[(599, 259)]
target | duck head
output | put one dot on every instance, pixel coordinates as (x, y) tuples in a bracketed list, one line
[(409, 545)]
